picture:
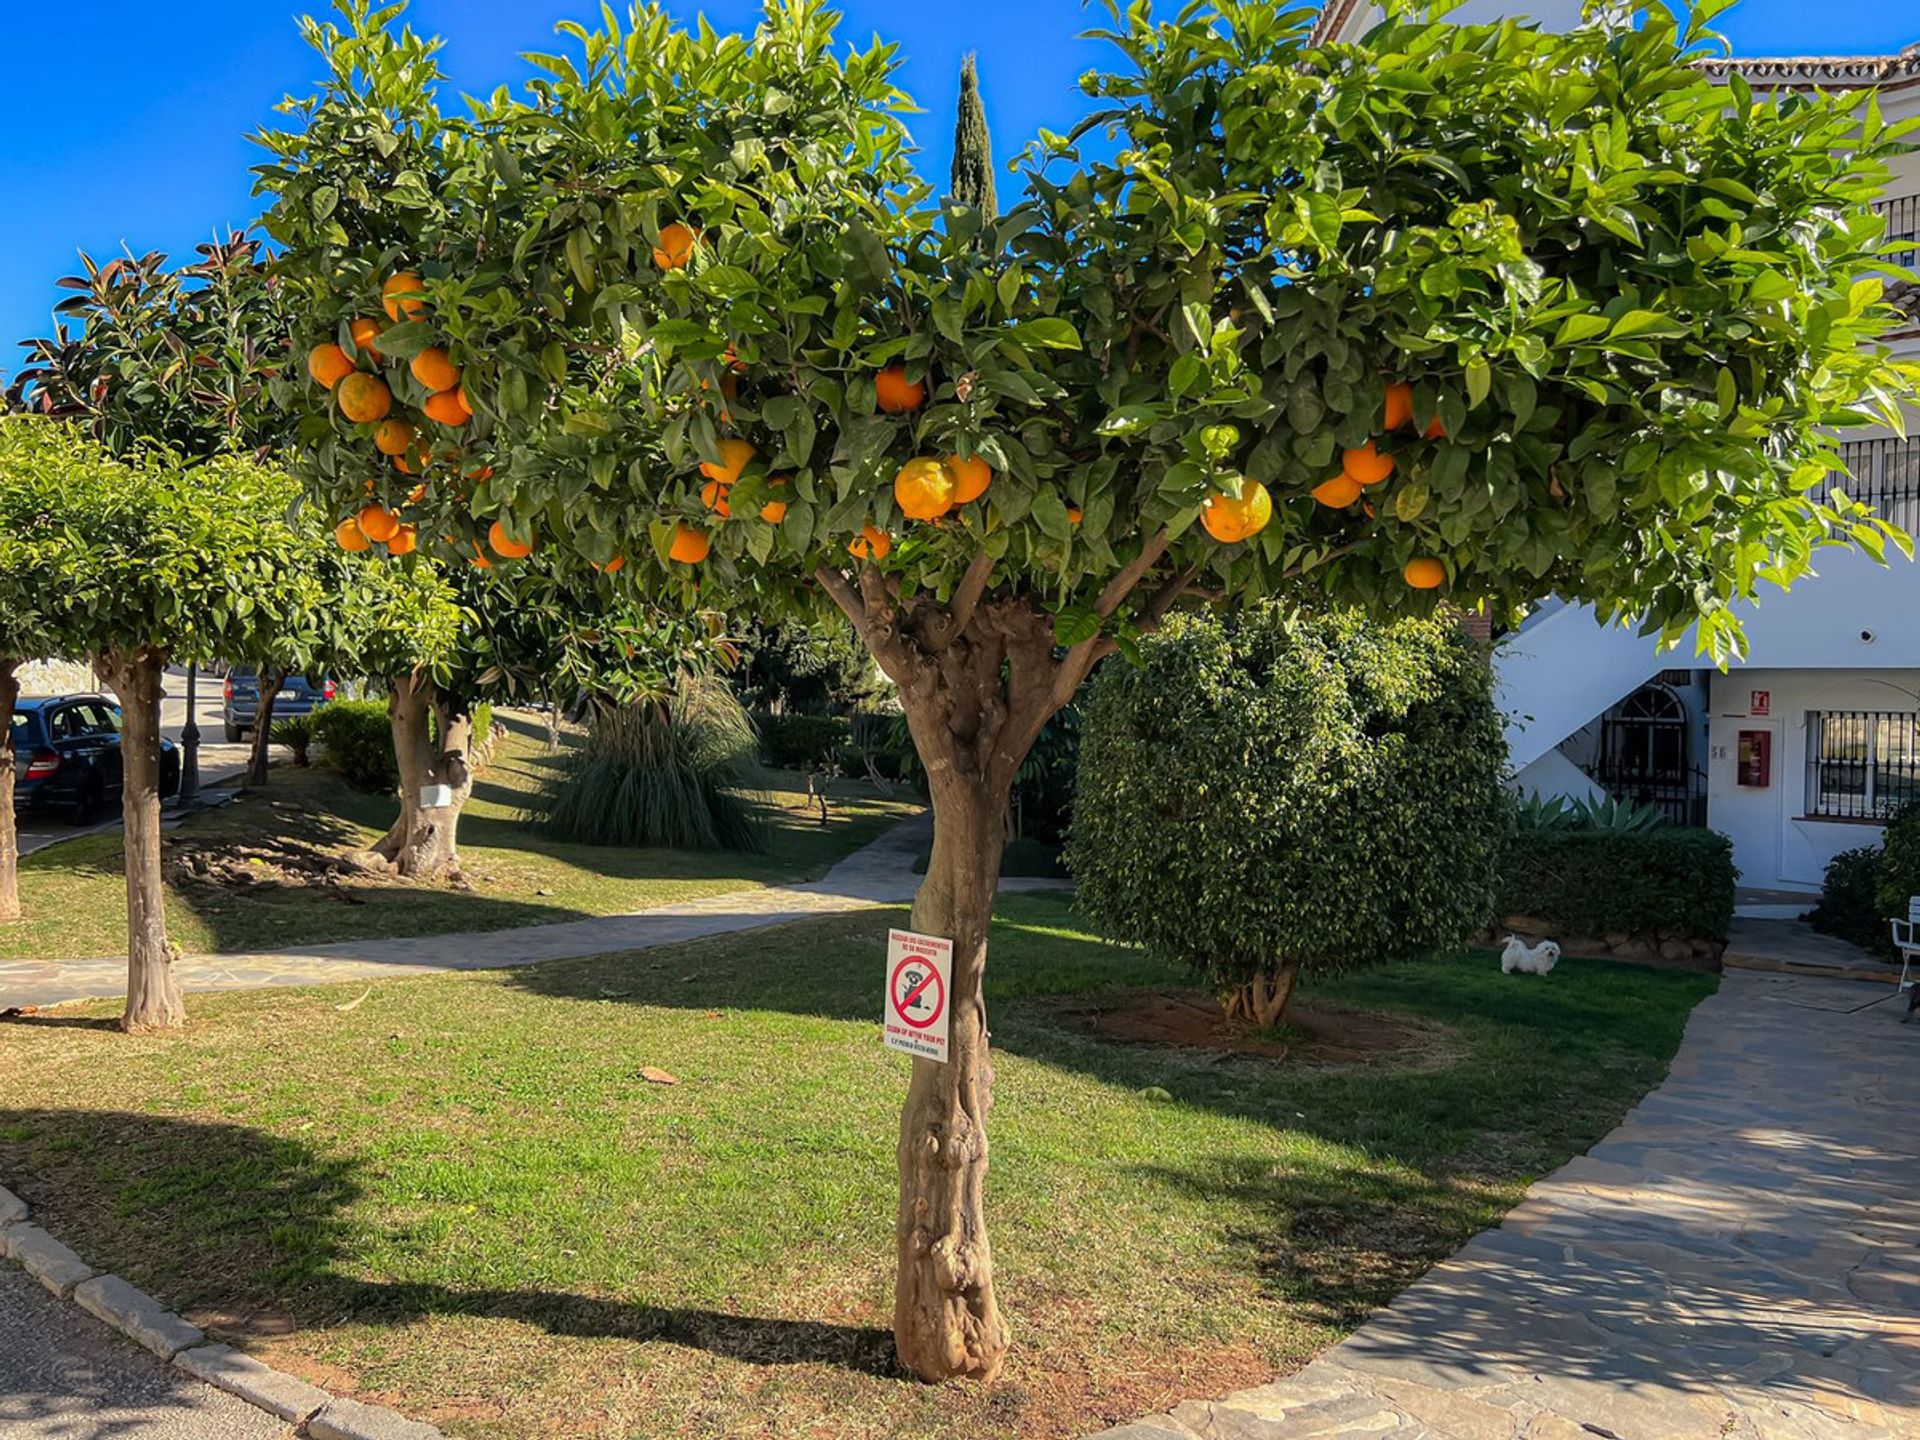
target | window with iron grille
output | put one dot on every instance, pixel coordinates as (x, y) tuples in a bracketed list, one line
[(1861, 764)]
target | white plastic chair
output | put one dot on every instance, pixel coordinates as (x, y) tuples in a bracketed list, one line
[(1906, 939)]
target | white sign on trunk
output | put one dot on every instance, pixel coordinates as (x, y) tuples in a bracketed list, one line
[(919, 968), (436, 797)]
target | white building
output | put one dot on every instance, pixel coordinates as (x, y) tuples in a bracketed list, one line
[(1801, 751)]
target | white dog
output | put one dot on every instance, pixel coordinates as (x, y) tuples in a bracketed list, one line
[(1528, 959)]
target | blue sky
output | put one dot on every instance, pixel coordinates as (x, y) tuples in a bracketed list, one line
[(121, 130)]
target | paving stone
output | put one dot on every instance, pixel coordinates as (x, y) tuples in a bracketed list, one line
[(137, 1315), (351, 1420), (12, 1207), (254, 1381), (1739, 1260), (45, 1258), (1160, 1427)]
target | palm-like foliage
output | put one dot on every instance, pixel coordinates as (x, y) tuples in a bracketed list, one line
[(671, 769)]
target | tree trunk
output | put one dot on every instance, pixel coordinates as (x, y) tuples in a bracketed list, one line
[(153, 988), (267, 685), (9, 831), (946, 1322), (433, 766), (1263, 1000), (978, 675)]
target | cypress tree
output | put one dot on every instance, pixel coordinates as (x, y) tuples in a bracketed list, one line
[(972, 148)]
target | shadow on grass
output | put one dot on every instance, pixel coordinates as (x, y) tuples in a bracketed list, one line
[(230, 1220)]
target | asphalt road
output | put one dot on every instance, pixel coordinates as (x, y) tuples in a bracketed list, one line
[(66, 1376), (218, 760)]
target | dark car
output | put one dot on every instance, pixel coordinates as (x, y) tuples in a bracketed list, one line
[(66, 756), (298, 696)]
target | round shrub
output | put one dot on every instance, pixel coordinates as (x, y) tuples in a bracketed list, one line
[(1273, 794)]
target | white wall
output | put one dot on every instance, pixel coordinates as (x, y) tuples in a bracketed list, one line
[(1774, 844), (1554, 774)]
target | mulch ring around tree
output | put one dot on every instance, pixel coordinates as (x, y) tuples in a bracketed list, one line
[(1317, 1035)]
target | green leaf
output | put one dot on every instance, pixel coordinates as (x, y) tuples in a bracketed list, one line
[(1050, 332), (1075, 625), (1646, 325), (1479, 381)]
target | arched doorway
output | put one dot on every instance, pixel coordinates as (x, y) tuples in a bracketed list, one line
[(1646, 755)]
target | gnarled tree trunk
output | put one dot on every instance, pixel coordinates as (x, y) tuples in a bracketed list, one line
[(267, 685), (1264, 999), (9, 831), (432, 743), (978, 676), (153, 987)]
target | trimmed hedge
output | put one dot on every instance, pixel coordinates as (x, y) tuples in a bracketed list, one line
[(1672, 883), (356, 738), (797, 742), (1849, 905)]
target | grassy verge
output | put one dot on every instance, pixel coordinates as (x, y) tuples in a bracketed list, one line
[(462, 1198), (74, 893)]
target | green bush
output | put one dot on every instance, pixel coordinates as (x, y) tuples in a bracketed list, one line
[(1669, 882), (1899, 878), (356, 738), (1269, 795), (1849, 905), (295, 733), (667, 771), (800, 742)]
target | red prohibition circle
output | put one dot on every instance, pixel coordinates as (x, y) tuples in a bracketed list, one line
[(933, 978)]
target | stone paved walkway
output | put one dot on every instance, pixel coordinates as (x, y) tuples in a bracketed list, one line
[(1741, 1258), (879, 874)]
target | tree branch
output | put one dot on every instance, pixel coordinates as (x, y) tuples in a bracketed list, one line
[(1123, 583), (966, 598)]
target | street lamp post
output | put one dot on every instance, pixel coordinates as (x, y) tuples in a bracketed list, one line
[(190, 742)]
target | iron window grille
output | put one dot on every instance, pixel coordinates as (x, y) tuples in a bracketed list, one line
[(1861, 764)]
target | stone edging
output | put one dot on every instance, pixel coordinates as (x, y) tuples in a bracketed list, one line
[(141, 1318)]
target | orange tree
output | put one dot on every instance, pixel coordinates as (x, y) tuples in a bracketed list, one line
[(1459, 315), (150, 562)]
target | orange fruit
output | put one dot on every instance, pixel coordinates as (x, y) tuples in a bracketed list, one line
[(1338, 493), (405, 541), (1229, 520), (365, 332), (394, 437), (364, 398), (613, 566), (923, 489), (466, 402), (896, 394), (734, 362), (971, 477), (675, 247), (328, 365), (1366, 465), (447, 409), (1399, 405), (1435, 430), (479, 472), (1425, 573), (735, 456), (433, 369), (377, 522), (1074, 514), (406, 284), (417, 494), (713, 495), (480, 559), (505, 546), (349, 534), (872, 543), (690, 546), (774, 511)]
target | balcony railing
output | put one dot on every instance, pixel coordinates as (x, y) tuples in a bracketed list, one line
[(1886, 475), (1903, 223)]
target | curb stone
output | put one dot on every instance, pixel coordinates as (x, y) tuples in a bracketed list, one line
[(350, 1420), (141, 1318), (137, 1315), (45, 1258)]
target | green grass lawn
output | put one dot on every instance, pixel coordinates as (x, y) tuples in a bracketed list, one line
[(74, 893), (461, 1198)]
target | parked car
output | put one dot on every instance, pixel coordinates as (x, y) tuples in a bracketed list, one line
[(66, 756), (298, 696)]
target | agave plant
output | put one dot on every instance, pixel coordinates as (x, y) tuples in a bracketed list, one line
[(674, 769), (1614, 815)]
